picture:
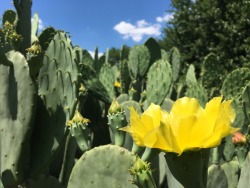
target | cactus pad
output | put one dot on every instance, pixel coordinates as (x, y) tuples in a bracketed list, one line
[(104, 166)]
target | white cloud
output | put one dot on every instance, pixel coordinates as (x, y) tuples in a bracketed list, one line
[(142, 28), (165, 18), (138, 30), (92, 53), (40, 24)]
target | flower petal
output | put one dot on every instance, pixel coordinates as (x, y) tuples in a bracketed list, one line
[(154, 111), (212, 109), (162, 138), (185, 107), (136, 128), (182, 130), (226, 105)]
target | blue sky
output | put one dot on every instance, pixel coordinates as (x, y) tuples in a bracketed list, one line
[(102, 23)]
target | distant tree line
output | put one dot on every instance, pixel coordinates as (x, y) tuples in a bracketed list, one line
[(200, 27)]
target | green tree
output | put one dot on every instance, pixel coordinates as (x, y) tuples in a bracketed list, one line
[(203, 26)]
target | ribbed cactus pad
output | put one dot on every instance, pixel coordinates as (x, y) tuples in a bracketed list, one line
[(234, 83), (159, 80), (17, 112), (46, 36), (104, 166), (58, 90)]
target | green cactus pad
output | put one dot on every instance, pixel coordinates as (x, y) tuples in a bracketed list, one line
[(212, 75), (122, 98), (115, 121), (225, 175), (159, 80), (104, 166), (127, 104), (124, 76), (216, 177), (91, 81), (175, 61), (246, 101), (195, 89), (235, 82), (58, 91), (107, 78), (84, 56), (17, 112), (245, 173), (138, 61), (46, 36), (190, 168), (9, 16)]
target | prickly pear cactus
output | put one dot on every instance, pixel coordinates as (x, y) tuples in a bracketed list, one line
[(212, 75), (194, 88), (225, 175), (175, 61), (58, 91), (92, 83), (104, 166), (46, 36), (125, 76), (234, 83), (9, 16), (116, 120), (107, 78), (138, 61), (159, 80), (246, 102), (17, 112), (245, 173)]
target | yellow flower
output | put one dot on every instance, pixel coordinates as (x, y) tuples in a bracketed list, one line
[(187, 127), (140, 126), (117, 84)]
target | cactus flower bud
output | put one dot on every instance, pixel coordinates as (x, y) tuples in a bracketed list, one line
[(115, 107), (79, 130), (239, 138), (142, 174)]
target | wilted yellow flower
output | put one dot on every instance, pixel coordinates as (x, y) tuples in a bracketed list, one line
[(187, 127)]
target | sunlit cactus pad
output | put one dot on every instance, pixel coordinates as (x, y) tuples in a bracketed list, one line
[(104, 166)]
